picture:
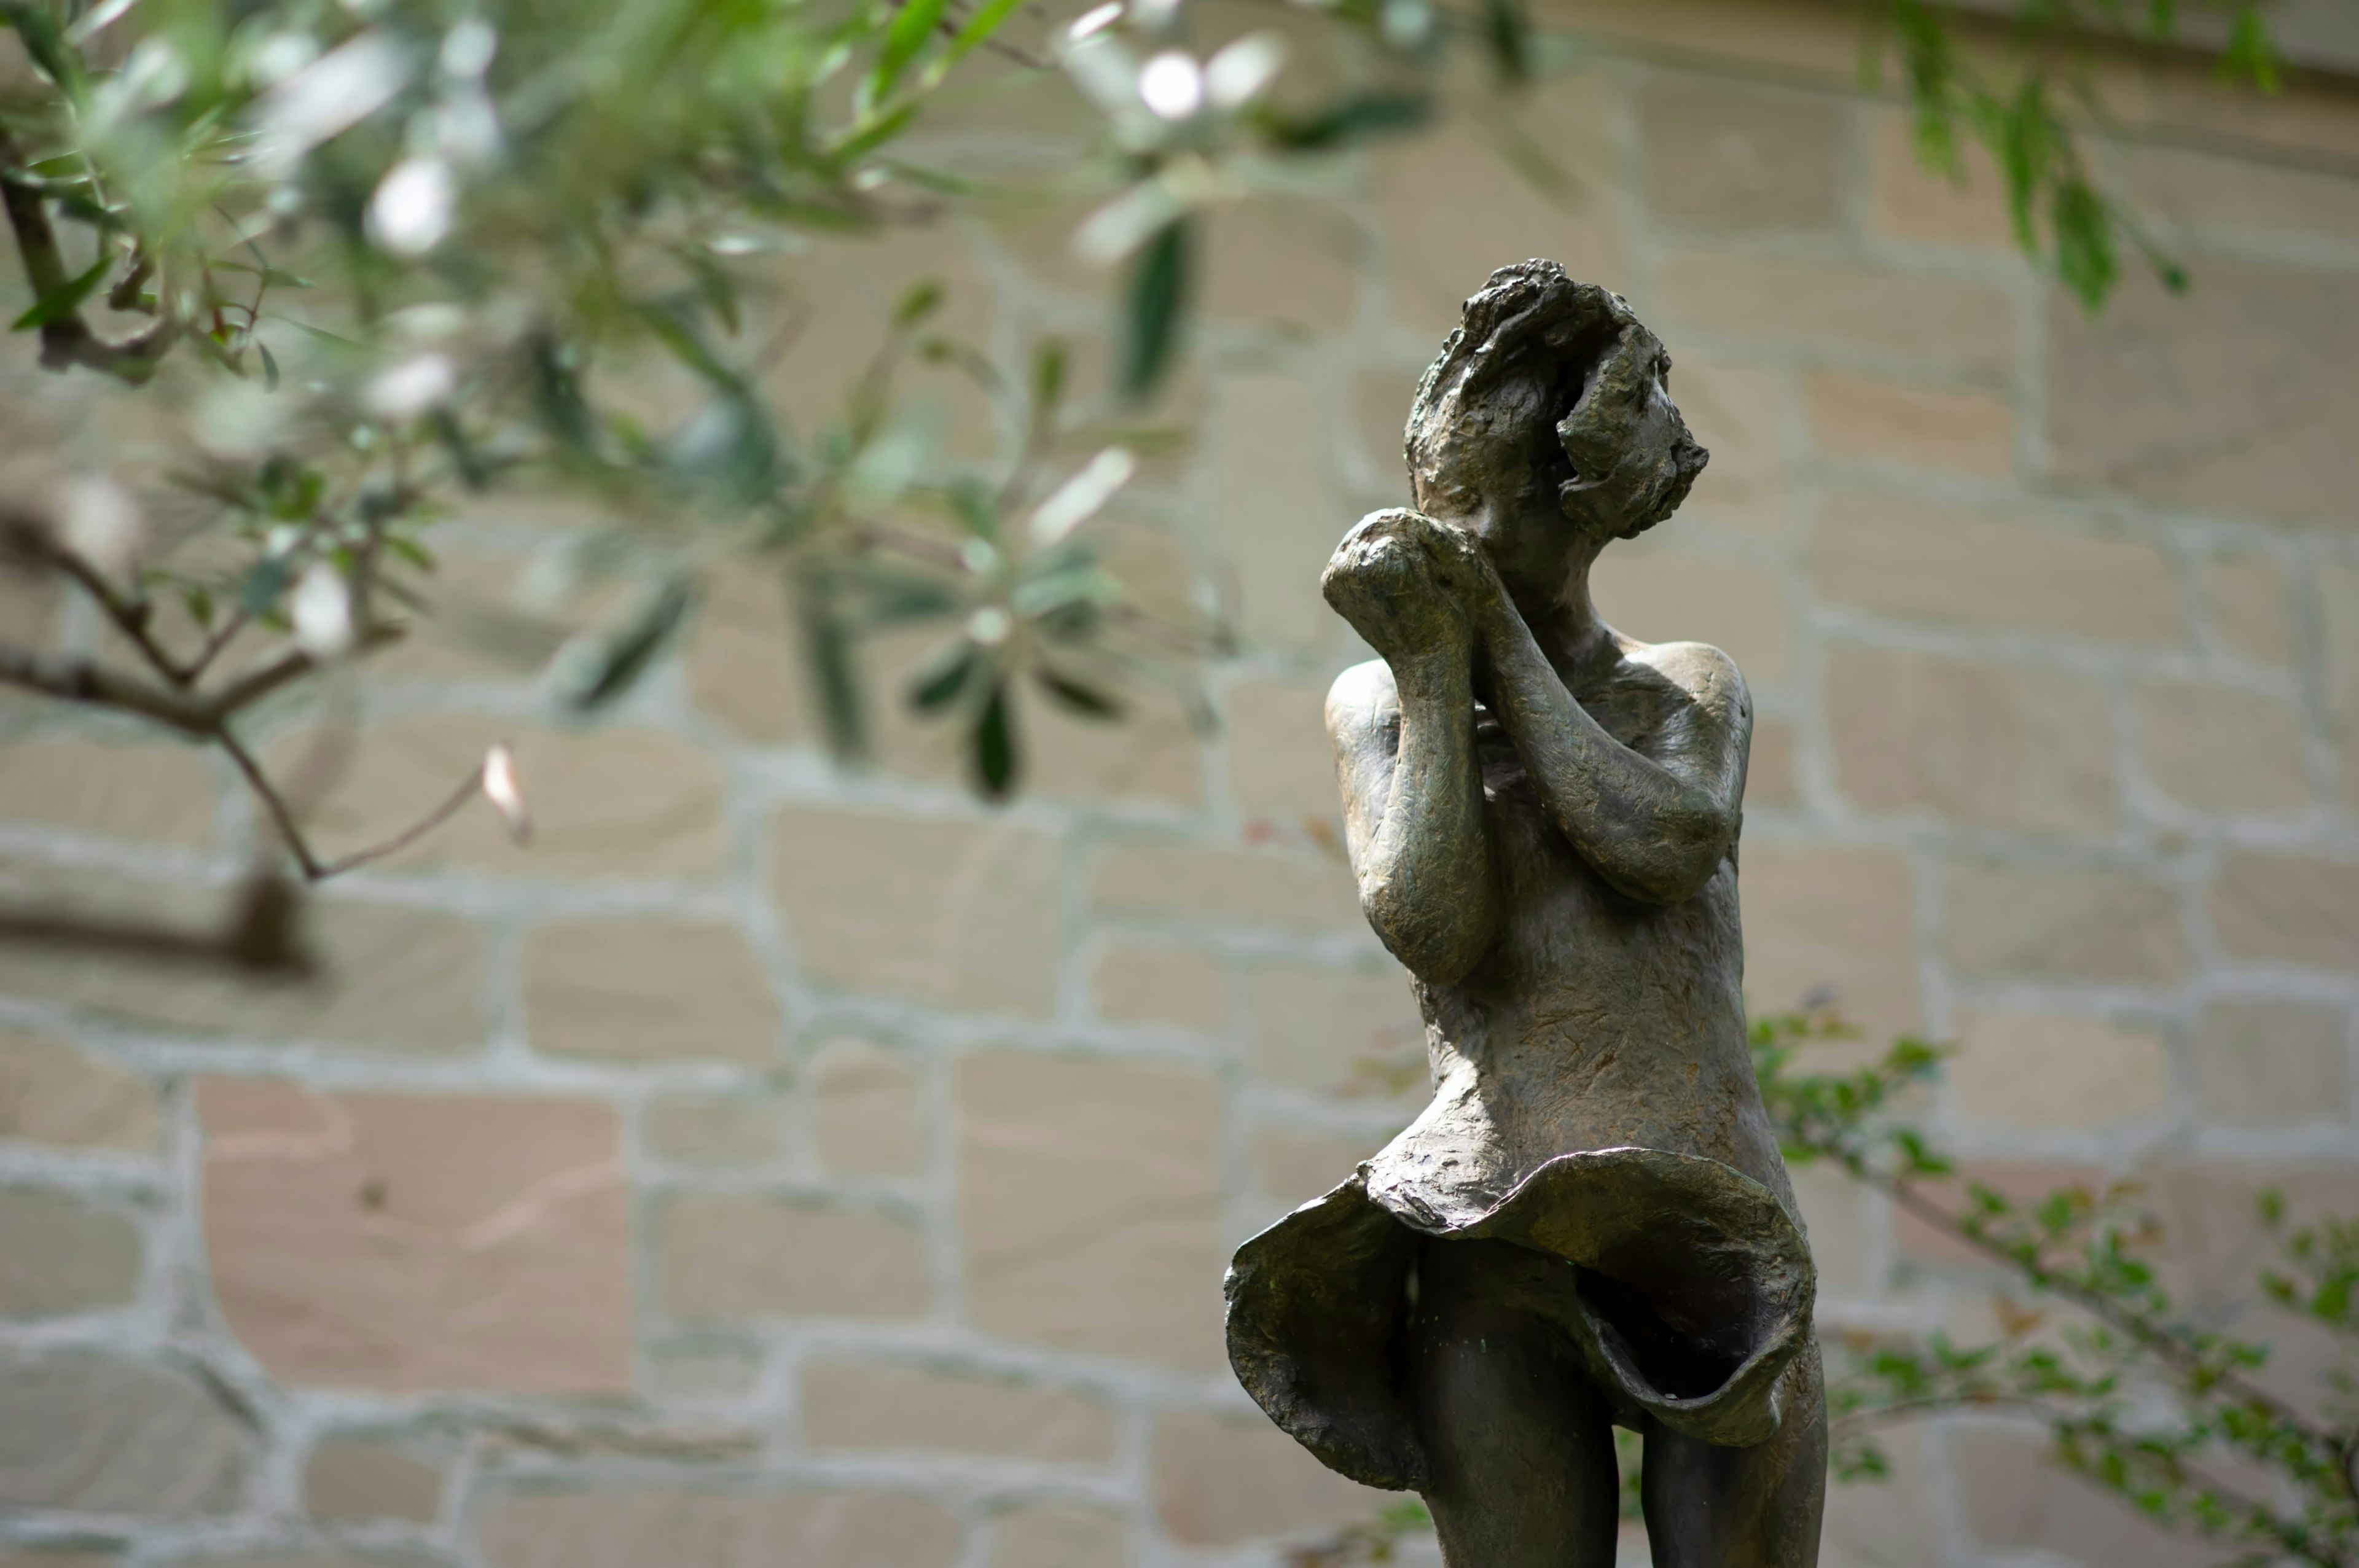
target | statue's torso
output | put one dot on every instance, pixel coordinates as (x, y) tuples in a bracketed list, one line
[(1594, 1020)]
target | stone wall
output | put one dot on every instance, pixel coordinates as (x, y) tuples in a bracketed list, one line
[(777, 1165)]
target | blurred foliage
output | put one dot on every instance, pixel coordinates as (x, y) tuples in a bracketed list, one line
[(379, 255), (2167, 1410)]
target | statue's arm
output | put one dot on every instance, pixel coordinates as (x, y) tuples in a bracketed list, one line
[(1404, 737), (1403, 728), (1655, 825)]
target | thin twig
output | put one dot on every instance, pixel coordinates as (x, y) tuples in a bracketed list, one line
[(472, 786), (73, 679), (289, 831)]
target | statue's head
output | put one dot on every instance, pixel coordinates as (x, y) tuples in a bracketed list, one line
[(1548, 421)]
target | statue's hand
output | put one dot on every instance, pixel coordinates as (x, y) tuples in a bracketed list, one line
[(1464, 571), (1387, 581)]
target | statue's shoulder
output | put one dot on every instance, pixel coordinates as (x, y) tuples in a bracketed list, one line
[(1364, 698), (1709, 676)]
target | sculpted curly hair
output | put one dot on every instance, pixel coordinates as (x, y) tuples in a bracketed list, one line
[(1540, 399)]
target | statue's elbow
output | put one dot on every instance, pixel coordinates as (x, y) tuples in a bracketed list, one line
[(1440, 945), (1683, 862)]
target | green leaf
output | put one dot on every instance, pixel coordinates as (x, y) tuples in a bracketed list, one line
[(271, 370), (979, 28), (1157, 307), (43, 42), (1047, 379), (828, 642), (264, 581), (865, 137), (609, 668), (1509, 32), (64, 299), (903, 39), (1085, 700), (1349, 120), (917, 303), (994, 745), (944, 677)]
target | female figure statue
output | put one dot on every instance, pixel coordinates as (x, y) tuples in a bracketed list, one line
[(1589, 1225)]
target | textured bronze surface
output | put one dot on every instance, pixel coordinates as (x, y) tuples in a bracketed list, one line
[(1589, 1224)]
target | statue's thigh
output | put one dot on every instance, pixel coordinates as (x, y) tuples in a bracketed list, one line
[(1743, 1508), (1521, 1450)]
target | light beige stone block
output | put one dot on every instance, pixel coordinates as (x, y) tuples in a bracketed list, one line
[(1059, 1535), (1835, 307), (92, 1432), (950, 912), (1835, 921), (2246, 598), (1662, 595), (1281, 766), (64, 1254), (2272, 1063), (159, 791), (728, 1257), (2018, 1497), (359, 1478), (863, 1405), (867, 1110), (389, 979), (1858, 418), (1223, 1480), (1724, 155), (2222, 749), (408, 1242), (1089, 1204), (1834, 1212), (1353, 1032), (1739, 411), (1158, 985), (648, 991), (718, 1131), (2029, 1069), (1276, 518), (1770, 769), (1279, 265), (1915, 560), (743, 664), (51, 1093), (638, 1527), (1294, 1165), (1908, 201), (1248, 887), (2286, 909), (2234, 397), (2006, 745), (1452, 211), (2062, 923)]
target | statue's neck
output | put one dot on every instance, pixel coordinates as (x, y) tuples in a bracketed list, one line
[(1563, 621)]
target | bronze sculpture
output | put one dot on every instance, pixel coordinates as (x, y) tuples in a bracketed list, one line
[(1589, 1225)]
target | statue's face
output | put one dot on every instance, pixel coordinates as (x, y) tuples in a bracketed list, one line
[(1548, 463), (1633, 459)]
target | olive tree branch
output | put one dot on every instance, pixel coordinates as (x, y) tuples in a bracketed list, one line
[(67, 339)]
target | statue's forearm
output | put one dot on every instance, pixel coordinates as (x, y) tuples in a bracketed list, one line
[(1651, 834), (1427, 881)]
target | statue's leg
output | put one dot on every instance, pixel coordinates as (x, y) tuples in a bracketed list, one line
[(1521, 1452), (1743, 1508)]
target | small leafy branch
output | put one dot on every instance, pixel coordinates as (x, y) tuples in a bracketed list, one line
[(2142, 1399), (2025, 106)]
